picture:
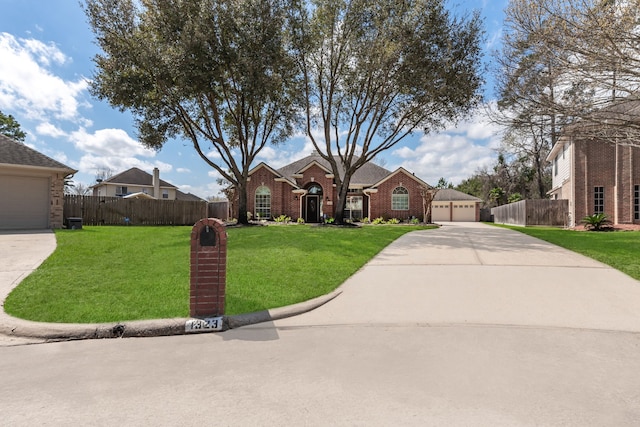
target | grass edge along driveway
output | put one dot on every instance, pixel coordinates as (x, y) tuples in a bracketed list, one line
[(110, 274), (618, 249)]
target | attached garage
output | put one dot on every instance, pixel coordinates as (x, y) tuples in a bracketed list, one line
[(25, 202), (451, 205), (31, 188)]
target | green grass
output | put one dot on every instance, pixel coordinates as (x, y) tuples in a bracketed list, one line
[(107, 274), (619, 249)]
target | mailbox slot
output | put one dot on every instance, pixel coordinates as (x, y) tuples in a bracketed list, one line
[(207, 236)]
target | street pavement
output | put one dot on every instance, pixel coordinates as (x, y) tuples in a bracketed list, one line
[(467, 325)]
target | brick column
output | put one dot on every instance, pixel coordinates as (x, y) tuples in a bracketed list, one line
[(208, 268)]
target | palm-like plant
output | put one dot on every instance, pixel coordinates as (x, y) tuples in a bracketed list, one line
[(596, 222)]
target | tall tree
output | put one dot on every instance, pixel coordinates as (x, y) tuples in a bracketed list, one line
[(530, 79), (10, 127), (593, 46), (216, 73), (374, 72)]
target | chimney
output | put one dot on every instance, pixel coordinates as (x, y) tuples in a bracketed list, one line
[(156, 183)]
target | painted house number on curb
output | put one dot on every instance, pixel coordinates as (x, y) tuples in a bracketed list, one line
[(208, 324)]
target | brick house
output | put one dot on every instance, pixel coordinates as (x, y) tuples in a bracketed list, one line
[(596, 177), (31, 187), (305, 189)]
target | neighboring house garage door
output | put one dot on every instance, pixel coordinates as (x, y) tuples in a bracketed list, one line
[(25, 202), (464, 212), (440, 212)]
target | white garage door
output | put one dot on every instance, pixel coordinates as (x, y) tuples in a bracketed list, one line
[(464, 211), (440, 212), (24, 202)]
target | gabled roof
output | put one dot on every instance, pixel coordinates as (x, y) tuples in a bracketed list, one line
[(406, 172), (267, 167), (13, 152), (134, 176), (451, 195), (188, 197), (367, 175)]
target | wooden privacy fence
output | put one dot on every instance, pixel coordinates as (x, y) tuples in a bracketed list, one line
[(533, 212), (219, 210), (96, 210)]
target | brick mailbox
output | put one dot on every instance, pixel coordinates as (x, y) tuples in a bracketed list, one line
[(208, 269)]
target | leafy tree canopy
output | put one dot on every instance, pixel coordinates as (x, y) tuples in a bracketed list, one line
[(374, 72), (232, 77), (218, 74), (11, 128)]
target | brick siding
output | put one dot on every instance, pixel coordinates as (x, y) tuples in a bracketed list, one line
[(381, 201), (595, 165)]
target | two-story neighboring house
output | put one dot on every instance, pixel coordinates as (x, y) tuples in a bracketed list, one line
[(596, 177), (136, 183)]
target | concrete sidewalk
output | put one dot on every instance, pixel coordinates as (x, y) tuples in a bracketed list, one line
[(462, 273)]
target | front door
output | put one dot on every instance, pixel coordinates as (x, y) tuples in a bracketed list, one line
[(312, 211)]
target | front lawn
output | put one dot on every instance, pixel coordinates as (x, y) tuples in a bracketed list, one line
[(110, 274), (619, 249)]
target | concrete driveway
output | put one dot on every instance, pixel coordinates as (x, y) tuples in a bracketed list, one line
[(472, 273), (21, 252), (468, 325)]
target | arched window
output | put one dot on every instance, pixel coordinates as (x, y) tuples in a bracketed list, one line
[(263, 203), (400, 199), (315, 189)]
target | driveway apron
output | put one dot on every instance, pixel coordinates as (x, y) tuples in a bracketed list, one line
[(472, 273)]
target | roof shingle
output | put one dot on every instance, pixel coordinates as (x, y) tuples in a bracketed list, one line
[(367, 175), (13, 152), (135, 176)]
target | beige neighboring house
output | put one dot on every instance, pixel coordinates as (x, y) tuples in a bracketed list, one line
[(138, 184), (451, 205), (31, 187)]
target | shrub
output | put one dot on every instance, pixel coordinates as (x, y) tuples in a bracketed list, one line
[(283, 219), (366, 220), (378, 220), (597, 222), (329, 220), (515, 197), (393, 221), (300, 220), (414, 221)]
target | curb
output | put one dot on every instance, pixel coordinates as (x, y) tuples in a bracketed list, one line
[(12, 326)]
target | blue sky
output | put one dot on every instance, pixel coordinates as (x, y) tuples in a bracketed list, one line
[(46, 51)]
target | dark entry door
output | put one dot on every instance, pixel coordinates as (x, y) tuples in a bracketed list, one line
[(312, 209)]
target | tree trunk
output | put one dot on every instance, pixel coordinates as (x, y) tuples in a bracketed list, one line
[(339, 204), (242, 204)]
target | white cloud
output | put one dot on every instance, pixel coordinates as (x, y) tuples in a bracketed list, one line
[(28, 86), (214, 174), (183, 170), (455, 154), (213, 155), (109, 143), (48, 129), (90, 164)]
